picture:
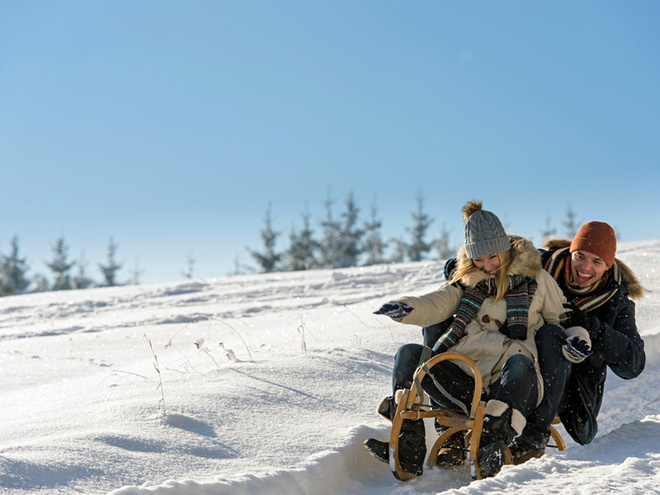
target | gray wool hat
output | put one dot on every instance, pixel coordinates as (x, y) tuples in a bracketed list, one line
[(484, 235)]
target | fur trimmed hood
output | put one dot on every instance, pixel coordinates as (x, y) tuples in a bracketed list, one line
[(635, 289), (525, 260)]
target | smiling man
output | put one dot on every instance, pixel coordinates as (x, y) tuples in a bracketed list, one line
[(599, 289), (592, 253), (587, 268)]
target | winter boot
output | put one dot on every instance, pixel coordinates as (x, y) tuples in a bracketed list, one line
[(379, 449), (412, 447), (521, 452), (501, 425), (453, 452), (387, 407)]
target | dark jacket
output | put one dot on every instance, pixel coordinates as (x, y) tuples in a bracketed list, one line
[(618, 346)]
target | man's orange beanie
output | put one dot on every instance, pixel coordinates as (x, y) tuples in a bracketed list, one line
[(596, 238)]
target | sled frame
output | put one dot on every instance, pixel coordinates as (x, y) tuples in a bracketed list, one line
[(412, 405)]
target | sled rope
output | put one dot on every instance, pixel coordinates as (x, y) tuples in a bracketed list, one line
[(444, 392), (427, 353)]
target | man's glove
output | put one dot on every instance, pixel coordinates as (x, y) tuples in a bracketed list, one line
[(394, 310), (575, 350), (575, 318)]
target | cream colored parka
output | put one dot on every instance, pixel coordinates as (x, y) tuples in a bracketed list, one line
[(483, 342)]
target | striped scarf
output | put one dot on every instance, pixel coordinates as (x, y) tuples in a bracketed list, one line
[(586, 299), (518, 298)]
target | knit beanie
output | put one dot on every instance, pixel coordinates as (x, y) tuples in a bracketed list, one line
[(484, 233), (596, 238)]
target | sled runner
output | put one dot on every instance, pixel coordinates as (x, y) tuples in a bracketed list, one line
[(412, 405)]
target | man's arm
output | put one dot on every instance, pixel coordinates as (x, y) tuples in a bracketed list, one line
[(620, 345)]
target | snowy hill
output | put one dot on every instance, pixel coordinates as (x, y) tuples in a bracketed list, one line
[(269, 385)]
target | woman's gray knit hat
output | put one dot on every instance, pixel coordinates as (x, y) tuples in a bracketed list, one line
[(484, 233)]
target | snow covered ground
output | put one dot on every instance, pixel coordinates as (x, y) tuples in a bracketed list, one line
[(269, 385)]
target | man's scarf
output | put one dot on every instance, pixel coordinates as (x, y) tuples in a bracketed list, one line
[(586, 299), (518, 298)]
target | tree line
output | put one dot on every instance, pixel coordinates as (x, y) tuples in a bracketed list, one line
[(14, 278), (342, 241), (345, 240)]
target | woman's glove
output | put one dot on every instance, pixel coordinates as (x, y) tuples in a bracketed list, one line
[(440, 347), (514, 332), (394, 310)]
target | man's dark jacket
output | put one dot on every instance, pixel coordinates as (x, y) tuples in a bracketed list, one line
[(617, 344)]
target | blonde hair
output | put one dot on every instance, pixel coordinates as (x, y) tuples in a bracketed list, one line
[(501, 276)]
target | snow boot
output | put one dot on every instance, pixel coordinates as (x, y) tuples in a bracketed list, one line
[(412, 447), (379, 449), (521, 452), (453, 452), (387, 407), (501, 425)]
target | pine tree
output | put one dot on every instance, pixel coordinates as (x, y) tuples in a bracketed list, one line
[(188, 273), (373, 245), (442, 244), (112, 267), (303, 247), (60, 267), (136, 272), (13, 270), (40, 283), (269, 259), (570, 223), (548, 231), (400, 250), (350, 235), (80, 280), (419, 248), (330, 244)]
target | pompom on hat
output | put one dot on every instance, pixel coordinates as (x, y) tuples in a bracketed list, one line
[(484, 233), (596, 238)]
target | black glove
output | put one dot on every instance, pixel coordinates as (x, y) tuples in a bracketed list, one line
[(519, 332), (576, 347), (394, 310), (439, 347), (575, 318)]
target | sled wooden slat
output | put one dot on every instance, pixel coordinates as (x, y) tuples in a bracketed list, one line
[(559, 441)]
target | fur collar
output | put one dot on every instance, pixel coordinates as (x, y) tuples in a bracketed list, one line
[(525, 260), (635, 289)]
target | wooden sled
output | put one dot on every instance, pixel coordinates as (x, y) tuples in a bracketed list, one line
[(412, 406)]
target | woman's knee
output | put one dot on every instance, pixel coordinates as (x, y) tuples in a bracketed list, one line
[(409, 352), (519, 364), (519, 387), (406, 362)]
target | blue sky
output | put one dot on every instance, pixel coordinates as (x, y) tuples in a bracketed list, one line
[(172, 126)]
